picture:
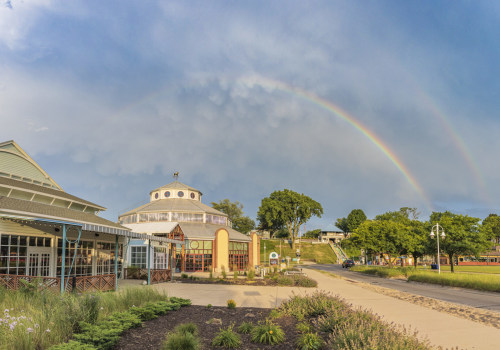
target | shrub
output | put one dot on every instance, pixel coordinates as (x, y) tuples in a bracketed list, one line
[(285, 281), (210, 276), (304, 281), (209, 306), (310, 341), (251, 274), (102, 335), (227, 338), (187, 328), (303, 327), (73, 345), (268, 333), (145, 314), (235, 275), (231, 304), (180, 301), (223, 272), (317, 304), (126, 319), (184, 275), (245, 327), (179, 341)]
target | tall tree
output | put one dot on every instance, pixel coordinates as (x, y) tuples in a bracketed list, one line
[(464, 235), (417, 231), (341, 223), (355, 218), (287, 209), (388, 238), (234, 211), (492, 224)]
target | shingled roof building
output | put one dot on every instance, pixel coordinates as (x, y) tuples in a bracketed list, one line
[(211, 243), (53, 235)]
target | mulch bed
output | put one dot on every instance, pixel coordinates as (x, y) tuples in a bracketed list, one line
[(153, 333)]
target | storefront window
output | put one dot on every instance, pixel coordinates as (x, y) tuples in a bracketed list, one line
[(238, 256), (198, 256)]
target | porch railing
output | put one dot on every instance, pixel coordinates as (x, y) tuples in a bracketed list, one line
[(80, 283), (157, 275)]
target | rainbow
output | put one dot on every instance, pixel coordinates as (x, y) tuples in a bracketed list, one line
[(270, 84), (330, 107), (457, 140)]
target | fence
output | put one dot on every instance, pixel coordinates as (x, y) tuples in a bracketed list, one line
[(157, 275), (78, 284)]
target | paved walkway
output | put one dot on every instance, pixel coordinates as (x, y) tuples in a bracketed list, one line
[(440, 328)]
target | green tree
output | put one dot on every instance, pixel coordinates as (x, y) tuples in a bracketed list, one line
[(464, 235), (416, 231), (234, 211), (388, 238), (492, 224), (355, 218), (287, 209), (314, 234), (341, 223)]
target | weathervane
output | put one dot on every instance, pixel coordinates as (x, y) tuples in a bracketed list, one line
[(176, 175)]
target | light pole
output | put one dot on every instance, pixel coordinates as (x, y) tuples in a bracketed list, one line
[(264, 254), (436, 228)]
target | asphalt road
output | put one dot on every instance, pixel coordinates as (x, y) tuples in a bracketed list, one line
[(482, 300)]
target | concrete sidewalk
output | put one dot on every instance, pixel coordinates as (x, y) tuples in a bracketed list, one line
[(440, 328)]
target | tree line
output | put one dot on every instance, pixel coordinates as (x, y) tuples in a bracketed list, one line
[(398, 233), (389, 235)]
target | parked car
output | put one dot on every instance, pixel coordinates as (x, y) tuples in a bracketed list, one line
[(348, 263)]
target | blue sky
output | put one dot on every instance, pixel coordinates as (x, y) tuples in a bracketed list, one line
[(112, 97)]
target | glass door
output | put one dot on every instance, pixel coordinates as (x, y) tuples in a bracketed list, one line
[(39, 261)]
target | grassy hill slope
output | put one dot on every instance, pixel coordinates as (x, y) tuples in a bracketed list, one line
[(320, 253)]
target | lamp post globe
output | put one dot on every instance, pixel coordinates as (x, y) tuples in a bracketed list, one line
[(437, 229)]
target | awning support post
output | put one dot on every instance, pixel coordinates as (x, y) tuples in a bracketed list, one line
[(172, 267), (116, 263), (149, 261), (63, 258)]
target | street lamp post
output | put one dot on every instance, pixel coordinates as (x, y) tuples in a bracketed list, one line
[(436, 228), (264, 254)]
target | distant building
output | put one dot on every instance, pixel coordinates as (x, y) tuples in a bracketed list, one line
[(176, 210), (331, 236)]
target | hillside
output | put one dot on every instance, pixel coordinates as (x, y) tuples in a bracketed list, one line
[(320, 253)]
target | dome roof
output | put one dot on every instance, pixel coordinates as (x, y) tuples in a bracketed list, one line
[(176, 185), (175, 204)]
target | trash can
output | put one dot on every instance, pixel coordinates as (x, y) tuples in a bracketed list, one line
[(434, 266)]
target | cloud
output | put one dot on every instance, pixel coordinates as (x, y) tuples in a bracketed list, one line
[(124, 100)]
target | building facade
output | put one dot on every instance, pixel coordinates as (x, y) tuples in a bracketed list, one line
[(50, 234), (211, 244)]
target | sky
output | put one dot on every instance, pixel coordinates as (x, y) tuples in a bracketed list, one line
[(373, 105)]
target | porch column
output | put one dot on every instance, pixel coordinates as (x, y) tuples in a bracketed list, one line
[(63, 257), (171, 245), (116, 263), (149, 261)]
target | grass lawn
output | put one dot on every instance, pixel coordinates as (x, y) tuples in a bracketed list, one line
[(478, 281), (320, 253), (473, 269)]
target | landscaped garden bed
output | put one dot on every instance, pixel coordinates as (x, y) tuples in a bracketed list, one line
[(319, 321), (275, 278)]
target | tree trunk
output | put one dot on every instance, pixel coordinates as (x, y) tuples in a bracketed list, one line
[(451, 262), (414, 262)]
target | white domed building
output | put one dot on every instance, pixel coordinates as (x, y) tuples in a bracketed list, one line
[(176, 211)]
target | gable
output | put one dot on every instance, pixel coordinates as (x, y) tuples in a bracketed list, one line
[(18, 165)]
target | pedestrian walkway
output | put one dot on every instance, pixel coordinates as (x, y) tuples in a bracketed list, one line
[(440, 328)]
